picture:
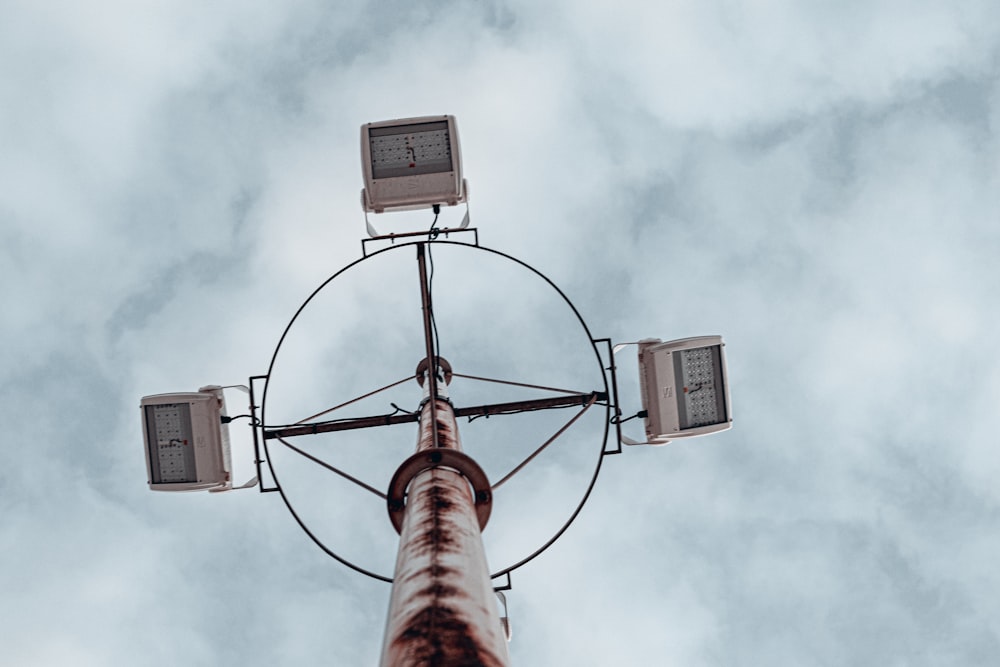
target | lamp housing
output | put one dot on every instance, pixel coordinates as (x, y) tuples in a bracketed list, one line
[(684, 386), (187, 445), (411, 163)]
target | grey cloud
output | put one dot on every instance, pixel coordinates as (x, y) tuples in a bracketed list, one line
[(818, 188)]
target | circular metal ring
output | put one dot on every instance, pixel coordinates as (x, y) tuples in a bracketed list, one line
[(593, 342), (439, 458)]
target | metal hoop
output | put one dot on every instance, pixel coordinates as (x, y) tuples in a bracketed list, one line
[(439, 457), (476, 246)]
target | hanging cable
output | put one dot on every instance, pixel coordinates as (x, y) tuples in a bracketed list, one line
[(433, 234), (326, 422), (253, 422), (517, 411), (619, 420)]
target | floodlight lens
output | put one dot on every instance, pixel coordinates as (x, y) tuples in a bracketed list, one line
[(171, 443), (410, 150), (699, 373)]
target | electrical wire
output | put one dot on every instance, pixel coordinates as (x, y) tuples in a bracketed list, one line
[(433, 234), (517, 411), (274, 427), (619, 420), (253, 422), (399, 410)]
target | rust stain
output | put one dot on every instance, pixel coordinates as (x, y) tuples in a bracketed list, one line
[(433, 571), (434, 532), (439, 590), (443, 612), (437, 636)]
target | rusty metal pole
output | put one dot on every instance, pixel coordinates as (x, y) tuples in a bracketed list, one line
[(443, 611)]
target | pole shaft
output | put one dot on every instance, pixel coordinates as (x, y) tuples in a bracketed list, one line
[(443, 611)]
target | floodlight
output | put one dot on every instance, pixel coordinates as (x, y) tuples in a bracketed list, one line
[(685, 391), (411, 163), (187, 445)]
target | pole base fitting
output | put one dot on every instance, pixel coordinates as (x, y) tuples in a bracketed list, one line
[(454, 459)]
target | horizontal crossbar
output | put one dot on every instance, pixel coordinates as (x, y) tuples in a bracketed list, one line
[(514, 407)]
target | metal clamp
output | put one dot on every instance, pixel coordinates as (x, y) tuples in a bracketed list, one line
[(443, 366), (438, 458)]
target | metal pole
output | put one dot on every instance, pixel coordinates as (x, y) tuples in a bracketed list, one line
[(428, 311), (443, 610)]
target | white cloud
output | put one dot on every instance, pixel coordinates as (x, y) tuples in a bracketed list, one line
[(818, 184)]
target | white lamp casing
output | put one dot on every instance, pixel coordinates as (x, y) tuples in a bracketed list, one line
[(187, 445), (411, 163), (668, 402)]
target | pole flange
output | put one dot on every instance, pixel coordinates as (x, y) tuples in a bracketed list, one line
[(427, 459), (423, 367)]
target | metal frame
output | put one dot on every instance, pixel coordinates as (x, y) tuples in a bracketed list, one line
[(513, 407), (506, 586), (608, 398), (258, 431), (430, 237), (616, 419)]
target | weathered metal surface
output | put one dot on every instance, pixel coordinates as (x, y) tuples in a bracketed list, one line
[(442, 612), (453, 459), (534, 404), (345, 425), (475, 411)]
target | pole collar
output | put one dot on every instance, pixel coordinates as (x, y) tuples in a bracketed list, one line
[(439, 458)]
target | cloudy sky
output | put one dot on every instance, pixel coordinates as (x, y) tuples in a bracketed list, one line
[(817, 182)]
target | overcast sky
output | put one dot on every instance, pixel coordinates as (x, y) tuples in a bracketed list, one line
[(817, 182)]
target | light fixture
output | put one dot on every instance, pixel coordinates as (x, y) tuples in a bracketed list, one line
[(187, 445), (685, 391), (411, 163)]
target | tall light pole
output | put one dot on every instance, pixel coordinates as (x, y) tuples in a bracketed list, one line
[(442, 607), (442, 611)]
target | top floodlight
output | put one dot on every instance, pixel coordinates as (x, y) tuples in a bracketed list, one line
[(411, 163), (187, 445), (685, 391)]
